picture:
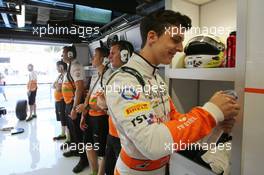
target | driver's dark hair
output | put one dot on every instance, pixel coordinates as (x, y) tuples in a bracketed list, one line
[(159, 20)]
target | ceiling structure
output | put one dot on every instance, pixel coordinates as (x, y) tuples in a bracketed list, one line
[(199, 2), (41, 13)]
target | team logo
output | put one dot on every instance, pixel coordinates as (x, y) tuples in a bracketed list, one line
[(130, 94)]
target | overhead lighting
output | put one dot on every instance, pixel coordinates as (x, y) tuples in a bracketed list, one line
[(21, 18)]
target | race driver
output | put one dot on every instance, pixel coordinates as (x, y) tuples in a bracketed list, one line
[(143, 112)]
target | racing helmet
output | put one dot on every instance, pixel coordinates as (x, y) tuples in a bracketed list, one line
[(204, 51)]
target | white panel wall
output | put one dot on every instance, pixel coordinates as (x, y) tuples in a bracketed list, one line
[(192, 11), (83, 53), (253, 130), (188, 9), (255, 30), (219, 13)]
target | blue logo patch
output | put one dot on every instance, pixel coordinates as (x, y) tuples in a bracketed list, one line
[(130, 94)]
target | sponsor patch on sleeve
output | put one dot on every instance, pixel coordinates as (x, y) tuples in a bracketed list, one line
[(130, 94), (136, 108)]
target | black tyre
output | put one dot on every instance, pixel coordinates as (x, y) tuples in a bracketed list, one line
[(2, 111), (21, 109)]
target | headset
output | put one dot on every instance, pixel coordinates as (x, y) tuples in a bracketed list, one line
[(124, 55), (105, 61), (71, 51), (70, 54), (126, 50)]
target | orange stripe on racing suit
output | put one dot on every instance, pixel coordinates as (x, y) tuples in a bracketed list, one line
[(116, 172), (143, 165), (67, 92), (112, 128)]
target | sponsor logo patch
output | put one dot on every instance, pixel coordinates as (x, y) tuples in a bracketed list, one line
[(153, 119), (136, 108), (130, 94)]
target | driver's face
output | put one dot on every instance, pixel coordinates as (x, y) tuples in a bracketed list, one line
[(65, 56), (114, 57), (166, 46)]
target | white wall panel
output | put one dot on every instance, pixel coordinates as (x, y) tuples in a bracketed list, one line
[(253, 130), (192, 11), (255, 29), (83, 54), (255, 73), (219, 13), (253, 133)]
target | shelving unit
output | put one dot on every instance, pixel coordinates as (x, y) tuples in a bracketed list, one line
[(193, 87), (214, 74)]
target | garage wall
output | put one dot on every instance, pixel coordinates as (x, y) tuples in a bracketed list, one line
[(253, 130), (221, 15), (190, 10), (83, 55)]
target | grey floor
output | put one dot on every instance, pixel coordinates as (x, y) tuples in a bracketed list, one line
[(33, 152)]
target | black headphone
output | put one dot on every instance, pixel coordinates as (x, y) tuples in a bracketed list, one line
[(71, 51), (126, 50)]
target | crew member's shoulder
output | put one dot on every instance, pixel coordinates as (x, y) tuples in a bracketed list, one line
[(108, 72), (121, 77)]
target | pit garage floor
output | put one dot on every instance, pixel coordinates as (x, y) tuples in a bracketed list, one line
[(34, 152)]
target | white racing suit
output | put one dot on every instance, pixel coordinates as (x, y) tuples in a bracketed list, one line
[(149, 126)]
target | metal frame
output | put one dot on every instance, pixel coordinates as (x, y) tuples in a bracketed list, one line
[(10, 11)]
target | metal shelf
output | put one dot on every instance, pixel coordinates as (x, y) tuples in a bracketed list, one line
[(214, 74)]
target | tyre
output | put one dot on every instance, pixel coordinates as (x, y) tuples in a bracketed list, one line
[(21, 109), (2, 111)]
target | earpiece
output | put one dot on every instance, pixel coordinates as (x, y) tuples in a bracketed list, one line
[(124, 55), (105, 61), (126, 50), (70, 54)]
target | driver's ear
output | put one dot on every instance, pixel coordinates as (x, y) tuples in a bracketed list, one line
[(152, 37)]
